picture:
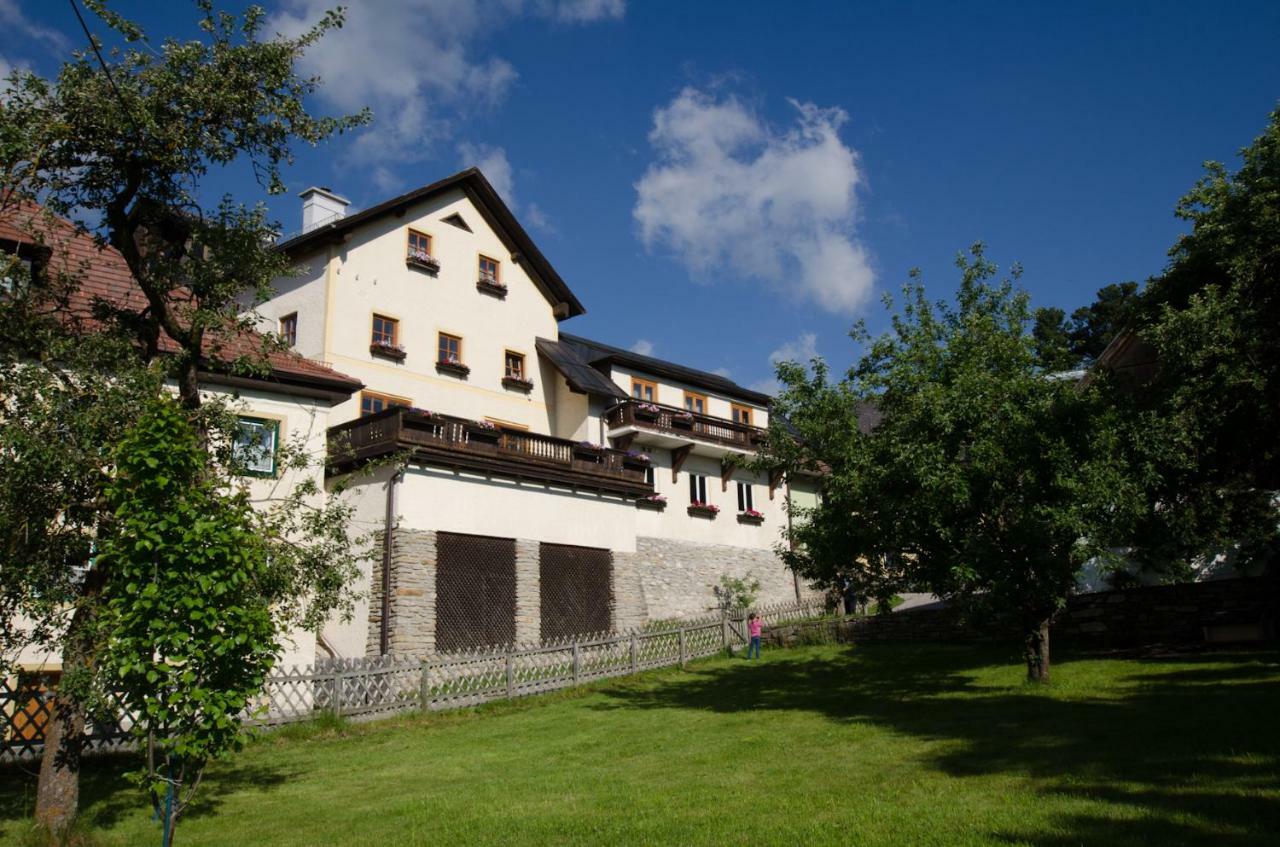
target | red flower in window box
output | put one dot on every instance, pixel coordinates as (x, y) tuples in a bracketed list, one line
[(703, 510)]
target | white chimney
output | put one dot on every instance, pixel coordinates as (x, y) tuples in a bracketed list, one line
[(321, 206)]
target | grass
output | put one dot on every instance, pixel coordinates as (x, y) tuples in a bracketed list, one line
[(883, 744)]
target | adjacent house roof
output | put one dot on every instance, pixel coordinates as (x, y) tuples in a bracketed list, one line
[(601, 355), (495, 212), (104, 276), (581, 377)]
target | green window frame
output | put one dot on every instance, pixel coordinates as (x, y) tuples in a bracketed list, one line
[(257, 446)]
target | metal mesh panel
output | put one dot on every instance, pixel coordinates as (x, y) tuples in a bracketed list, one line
[(475, 591), (575, 590)]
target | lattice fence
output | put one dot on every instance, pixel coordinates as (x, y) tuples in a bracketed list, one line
[(363, 689)]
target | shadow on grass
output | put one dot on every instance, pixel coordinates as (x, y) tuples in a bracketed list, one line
[(1184, 751), (107, 794)]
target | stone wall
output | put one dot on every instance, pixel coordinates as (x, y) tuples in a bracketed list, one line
[(412, 624), (1220, 611), (676, 577)]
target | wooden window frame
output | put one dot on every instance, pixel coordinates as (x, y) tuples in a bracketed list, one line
[(689, 395), (395, 328), (635, 380), (269, 423), (291, 336), (408, 240), (440, 336), (742, 411), (387, 401), (497, 269), (523, 375)]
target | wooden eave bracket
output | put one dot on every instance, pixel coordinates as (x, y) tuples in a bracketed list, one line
[(678, 456), (775, 479), (623, 442), (726, 471)]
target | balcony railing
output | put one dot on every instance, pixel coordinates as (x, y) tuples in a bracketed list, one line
[(682, 424), (443, 440)]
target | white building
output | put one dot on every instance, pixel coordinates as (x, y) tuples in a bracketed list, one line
[(531, 504)]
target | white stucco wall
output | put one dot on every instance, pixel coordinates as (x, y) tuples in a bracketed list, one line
[(675, 522)]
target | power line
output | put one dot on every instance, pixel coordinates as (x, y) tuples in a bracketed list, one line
[(75, 7)]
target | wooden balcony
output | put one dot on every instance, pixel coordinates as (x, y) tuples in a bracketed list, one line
[(445, 441), (682, 424)]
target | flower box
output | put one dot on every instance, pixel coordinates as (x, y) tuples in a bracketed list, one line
[(703, 510), (636, 459), (450, 366), (684, 420), (588, 451), (491, 287), (517, 383), (654, 503), (646, 412), (751, 517), (388, 351), (421, 260), (483, 432)]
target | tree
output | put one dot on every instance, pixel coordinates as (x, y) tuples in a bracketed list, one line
[(1203, 431), (1063, 344), (125, 142), (984, 480)]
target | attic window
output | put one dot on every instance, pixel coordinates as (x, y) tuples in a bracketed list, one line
[(456, 220)]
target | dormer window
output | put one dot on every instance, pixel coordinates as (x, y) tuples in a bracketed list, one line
[(643, 389), (696, 403), (741, 414)]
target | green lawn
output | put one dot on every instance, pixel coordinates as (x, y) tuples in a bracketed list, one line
[(887, 744)]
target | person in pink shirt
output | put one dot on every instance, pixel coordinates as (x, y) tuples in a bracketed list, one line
[(754, 625)]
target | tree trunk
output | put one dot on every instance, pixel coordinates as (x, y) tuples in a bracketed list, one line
[(58, 791), (1036, 650)]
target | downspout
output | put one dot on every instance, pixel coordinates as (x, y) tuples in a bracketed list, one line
[(388, 547), (791, 541)]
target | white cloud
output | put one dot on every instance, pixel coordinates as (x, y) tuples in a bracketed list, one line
[(492, 161), (418, 64), (801, 349), (15, 23), (584, 11), (724, 372), (643, 347), (730, 193)]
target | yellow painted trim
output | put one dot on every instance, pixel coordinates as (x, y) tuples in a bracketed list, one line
[(330, 294)]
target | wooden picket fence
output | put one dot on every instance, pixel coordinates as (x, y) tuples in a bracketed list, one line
[(379, 686)]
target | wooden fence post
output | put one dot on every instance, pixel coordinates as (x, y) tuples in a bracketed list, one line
[(724, 631), (577, 662), (337, 692), (424, 686), (635, 654), (511, 688), (682, 647)]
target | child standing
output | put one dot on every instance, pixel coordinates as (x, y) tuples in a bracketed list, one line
[(754, 625)]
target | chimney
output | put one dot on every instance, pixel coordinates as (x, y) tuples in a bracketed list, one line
[(321, 206)]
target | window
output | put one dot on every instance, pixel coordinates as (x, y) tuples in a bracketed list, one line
[(489, 269), (289, 329), (695, 403), (450, 349), (371, 402), (256, 446), (741, 414), (744, 497), (386, 331), (419, 245), (514, 365), (697, 489), (643, 389), (649, 475)]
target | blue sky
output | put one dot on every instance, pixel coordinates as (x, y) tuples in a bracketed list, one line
[(723, 182)]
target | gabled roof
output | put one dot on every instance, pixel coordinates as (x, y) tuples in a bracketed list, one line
[(104, 276), (495, 212), (601, 355)]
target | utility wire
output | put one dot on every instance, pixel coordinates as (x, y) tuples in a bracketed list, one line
[(75, 7)]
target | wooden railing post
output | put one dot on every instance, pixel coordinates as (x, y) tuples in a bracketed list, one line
[(577, 662)]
